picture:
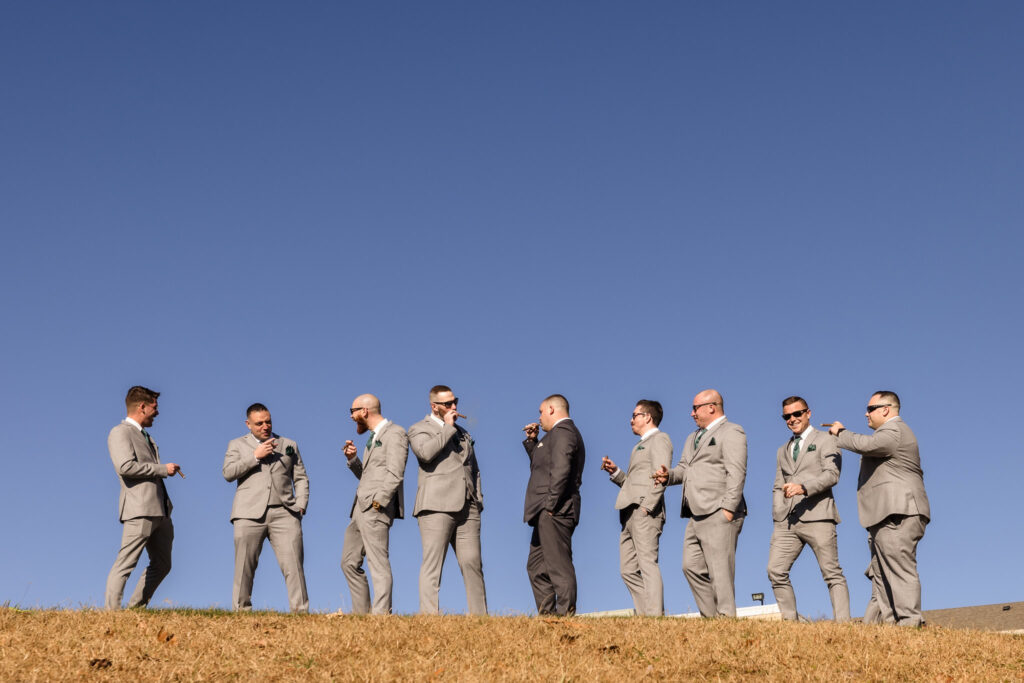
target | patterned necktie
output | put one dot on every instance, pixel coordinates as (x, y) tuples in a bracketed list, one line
[(796, 448), (696, 440)]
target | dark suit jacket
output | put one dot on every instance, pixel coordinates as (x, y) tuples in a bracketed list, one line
[(556, 473)]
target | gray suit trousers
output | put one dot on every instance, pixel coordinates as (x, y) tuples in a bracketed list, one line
[(283, 528), (893, 544), (549, 565), (638, 560), (788, 540), (156, 535), (367, 536), (461, 530), (709, 562)]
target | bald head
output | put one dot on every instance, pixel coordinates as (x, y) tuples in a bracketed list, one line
[(708, 406), (368, 401)]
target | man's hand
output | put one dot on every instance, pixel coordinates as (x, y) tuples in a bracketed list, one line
[(790, 490), (661, 476), (265, 449), (608, 465), (449, 417), (349, 449), (728, 515), (836, 427), (532, 431), (172, 469)]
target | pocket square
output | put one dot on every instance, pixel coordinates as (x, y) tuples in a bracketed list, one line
[(812, 447), (378, 444), (712, 442), (289, 451), (639, 448)]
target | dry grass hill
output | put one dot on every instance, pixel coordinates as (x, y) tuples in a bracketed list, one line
[(209, 645)]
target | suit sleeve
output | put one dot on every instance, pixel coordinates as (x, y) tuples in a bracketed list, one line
[(661, 454), (356, 465), (779, 478), (425, 445), (529, 445), (396, 451), (831, 464), (562, 447), (881, 444), (301, 481), (675, 474), (125, 461), (618, 477), (734, 456), (236, 464)]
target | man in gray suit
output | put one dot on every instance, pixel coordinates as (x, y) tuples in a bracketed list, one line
[(144, 506), (712, 470), (641, 508), (377, 503), (804, 511), (892, 506), (449, 501), (552, 505), (271, 498)]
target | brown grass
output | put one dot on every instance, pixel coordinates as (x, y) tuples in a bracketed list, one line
[(189, 645)]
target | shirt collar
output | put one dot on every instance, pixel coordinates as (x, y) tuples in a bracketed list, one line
[(714, 423), (559, 421), (436, 419), (650, 432), (380, 425), (133, 423), (804, 434)]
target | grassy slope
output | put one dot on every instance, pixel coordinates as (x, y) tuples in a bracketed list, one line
[(189, 645)]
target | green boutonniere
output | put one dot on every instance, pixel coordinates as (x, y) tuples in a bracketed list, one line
[(712, 443), (812, 447), (289, 451), (639, 448), (378, 444)]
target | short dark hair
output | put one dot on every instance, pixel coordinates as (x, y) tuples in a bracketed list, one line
[(890, 396), (560, 402), (439, 389), (256, 408), (794, 399), (652, 408), (139, 394)]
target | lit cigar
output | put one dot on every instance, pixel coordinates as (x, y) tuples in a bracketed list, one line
[(464, 417), (181, 473), (826, 424)]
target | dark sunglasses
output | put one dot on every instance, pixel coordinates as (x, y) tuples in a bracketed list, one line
[(875, 407), (795, 413), (447, 404)]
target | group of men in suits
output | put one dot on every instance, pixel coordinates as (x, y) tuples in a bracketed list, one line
[(272, 495)]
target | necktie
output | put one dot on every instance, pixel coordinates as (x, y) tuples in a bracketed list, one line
[(696, 440), (796, 447), (148, 439), (369, 442)]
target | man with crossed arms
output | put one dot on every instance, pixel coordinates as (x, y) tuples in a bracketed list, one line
[(712, 470), (144, 507), (892, 506), (804, 511), (270, 501), (641, 509), (378, 501), (449, 501)]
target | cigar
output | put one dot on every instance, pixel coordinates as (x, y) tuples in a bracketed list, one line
[(181, 473), (826, 424), (464, 417)]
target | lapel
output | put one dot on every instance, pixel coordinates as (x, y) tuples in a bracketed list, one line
[(807, 443), (147, 446), (374, 438), (706, 439)]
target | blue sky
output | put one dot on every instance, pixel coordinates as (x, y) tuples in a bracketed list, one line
[(295, 203)]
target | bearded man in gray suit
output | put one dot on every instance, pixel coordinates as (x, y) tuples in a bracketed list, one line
[(378, 501), (712, 470), (804, 511), (641, 508), (449, 501), (552, 506), (892, 506), (144, 507), (270, 501)]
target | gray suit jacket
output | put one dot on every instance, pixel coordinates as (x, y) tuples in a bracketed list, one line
[(556, 473), (713, 474), (817, 467), (381, 471), (637, 486), (891, 481), (448, 474), (143, 493), (281, 471)]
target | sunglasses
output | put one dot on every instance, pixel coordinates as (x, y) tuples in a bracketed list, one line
[(875, 407), (447, 404), (795, 413)]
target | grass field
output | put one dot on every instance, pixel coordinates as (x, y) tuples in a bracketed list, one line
[(208, 645)]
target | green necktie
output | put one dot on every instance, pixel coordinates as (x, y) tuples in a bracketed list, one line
[(369, 442), (696, 440), (148, 440), (796, 447)]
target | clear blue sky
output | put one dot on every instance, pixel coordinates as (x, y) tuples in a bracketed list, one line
[(295, 203)]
